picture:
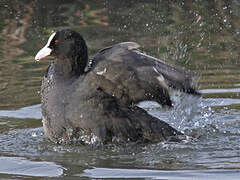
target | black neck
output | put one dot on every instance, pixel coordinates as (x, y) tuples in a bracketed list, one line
[(79, 62), (79, 56)]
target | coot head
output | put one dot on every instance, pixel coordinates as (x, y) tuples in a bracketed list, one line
[(69, 48)]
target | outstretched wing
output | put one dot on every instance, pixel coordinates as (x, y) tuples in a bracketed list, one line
[(124, 72), (103, 99)]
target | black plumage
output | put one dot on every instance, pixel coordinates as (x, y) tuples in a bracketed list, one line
[(96, 101)]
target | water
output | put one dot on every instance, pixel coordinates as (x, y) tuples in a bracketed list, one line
[(202, 36)]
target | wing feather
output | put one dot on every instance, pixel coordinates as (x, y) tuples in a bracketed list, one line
[(139, 76)]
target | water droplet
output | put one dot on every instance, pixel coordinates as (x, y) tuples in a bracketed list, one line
[(34, 134), (199, 18)]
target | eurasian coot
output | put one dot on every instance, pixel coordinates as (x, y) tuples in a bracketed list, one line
[(95, 101)]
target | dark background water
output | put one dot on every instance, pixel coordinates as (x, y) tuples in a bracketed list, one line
[(203, 36)]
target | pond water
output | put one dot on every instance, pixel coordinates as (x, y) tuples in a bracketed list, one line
[(203, 36)]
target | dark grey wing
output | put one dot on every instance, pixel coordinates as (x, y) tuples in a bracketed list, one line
[(131, 76), (176, 77)]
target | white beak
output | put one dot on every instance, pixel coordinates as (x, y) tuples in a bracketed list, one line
[(45, 51)]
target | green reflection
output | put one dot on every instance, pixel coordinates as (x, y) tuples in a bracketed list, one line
[(200, 35)]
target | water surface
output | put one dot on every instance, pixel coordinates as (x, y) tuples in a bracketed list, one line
[(199, 35)]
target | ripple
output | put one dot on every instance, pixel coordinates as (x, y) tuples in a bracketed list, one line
[(220, 101), (33, 112), (22, 166), (210, 91), (23, 142), (160, 174)]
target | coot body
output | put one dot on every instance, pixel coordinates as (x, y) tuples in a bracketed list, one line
[(95, 101)]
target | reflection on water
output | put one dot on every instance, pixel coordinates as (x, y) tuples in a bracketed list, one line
[(21, 166), (33, 112), (154, 174), (199, 35)]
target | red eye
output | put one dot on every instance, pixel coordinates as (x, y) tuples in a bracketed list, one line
[(56, 42)]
